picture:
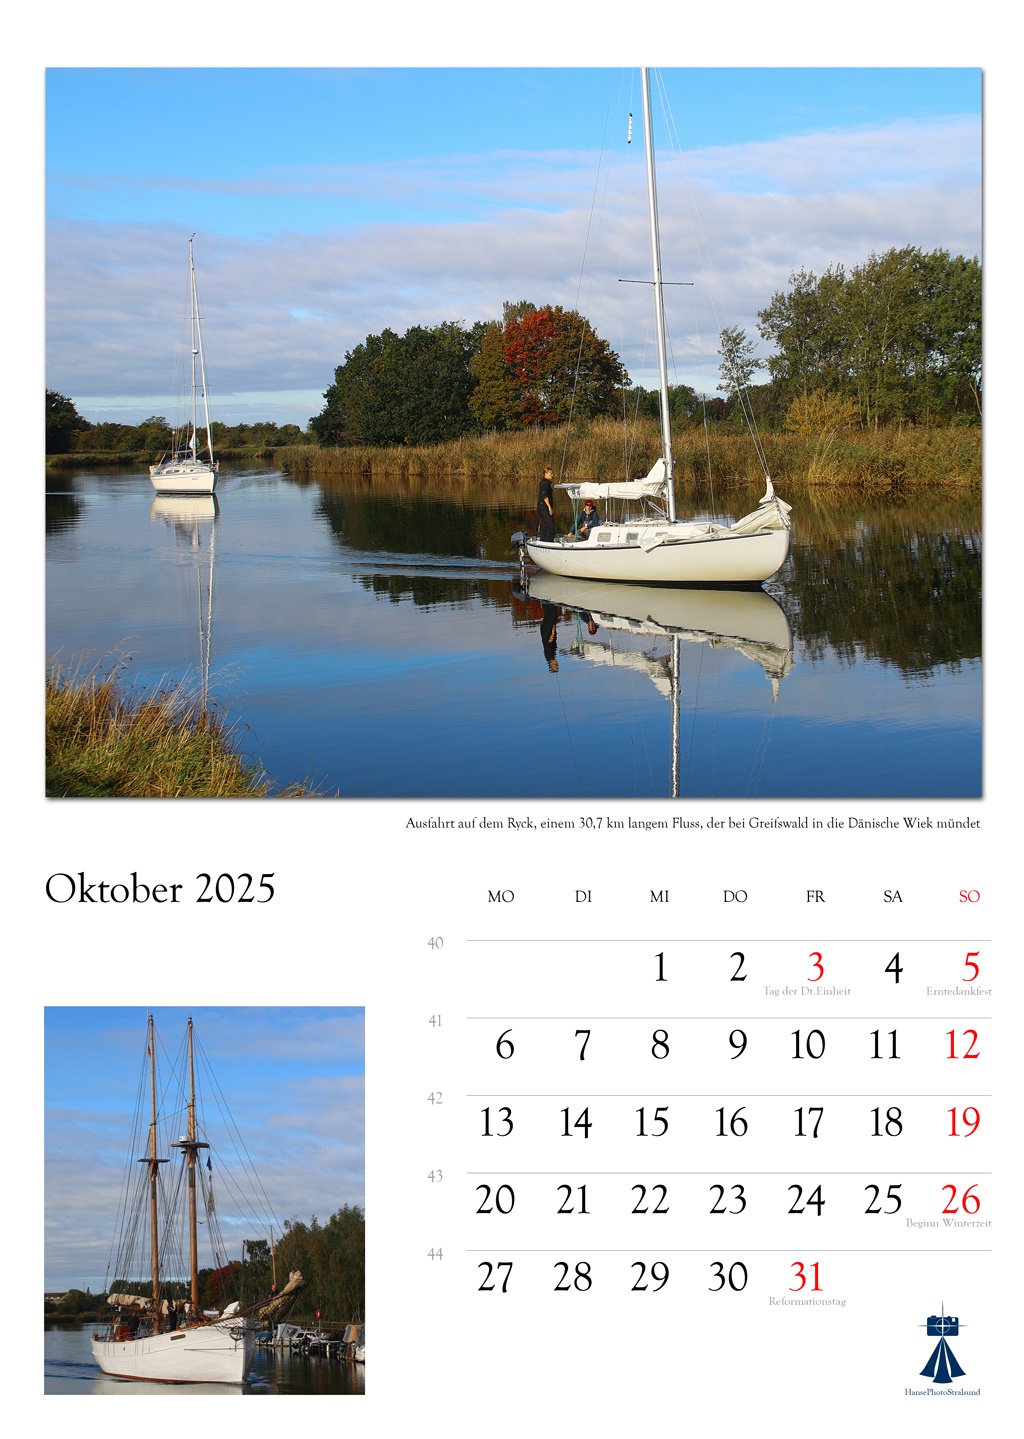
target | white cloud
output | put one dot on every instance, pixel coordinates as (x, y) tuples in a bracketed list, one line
[(283, 308)]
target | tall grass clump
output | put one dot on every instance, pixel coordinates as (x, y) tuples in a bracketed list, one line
[(104, 741)]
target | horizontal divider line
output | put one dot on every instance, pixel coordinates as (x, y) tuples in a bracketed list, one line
[(717, 1249)]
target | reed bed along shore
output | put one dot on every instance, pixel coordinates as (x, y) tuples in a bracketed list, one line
[(873, 463), (104, 741), (139, 459)]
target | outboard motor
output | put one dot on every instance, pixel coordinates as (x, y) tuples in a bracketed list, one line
[(519, 541)]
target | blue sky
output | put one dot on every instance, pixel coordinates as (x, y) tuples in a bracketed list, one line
[(293, 1081), (331, 203)]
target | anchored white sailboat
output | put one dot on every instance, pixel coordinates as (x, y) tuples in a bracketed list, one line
[(184, 471), (162, 1334), (648, 543)]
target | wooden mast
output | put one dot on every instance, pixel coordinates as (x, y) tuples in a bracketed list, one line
[(191, 1145), (154, 1163), (193, 1240)]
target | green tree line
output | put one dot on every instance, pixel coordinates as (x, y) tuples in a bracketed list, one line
[(896, 340), (331, 1256), (68, 432)]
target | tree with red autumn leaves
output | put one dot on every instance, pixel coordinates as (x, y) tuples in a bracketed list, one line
[(542, 367)]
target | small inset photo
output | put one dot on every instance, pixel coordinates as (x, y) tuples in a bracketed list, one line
[(204, 1201)]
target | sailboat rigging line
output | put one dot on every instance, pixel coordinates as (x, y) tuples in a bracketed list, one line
[(703, 253), (596, 212), (659, 302), (198, 352), (126, 1211), (268, 1216), (760, 758)]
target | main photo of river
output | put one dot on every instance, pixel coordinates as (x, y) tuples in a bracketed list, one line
[(380, 641)]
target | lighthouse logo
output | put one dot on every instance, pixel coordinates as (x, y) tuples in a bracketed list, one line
[(942, 1366)]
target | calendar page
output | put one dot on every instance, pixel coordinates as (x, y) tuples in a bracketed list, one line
[(617, 1024), (628, 1134), (610, 1152)]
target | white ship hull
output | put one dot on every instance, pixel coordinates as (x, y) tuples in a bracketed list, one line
[(207, 1354), (184, 477), (665, 554)]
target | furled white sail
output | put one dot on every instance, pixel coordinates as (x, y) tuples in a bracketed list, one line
[(648, 487)]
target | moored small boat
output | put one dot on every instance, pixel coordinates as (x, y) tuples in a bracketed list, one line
[(184, 471)]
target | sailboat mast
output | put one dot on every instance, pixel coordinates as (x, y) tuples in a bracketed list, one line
[(154, 1227), (193, 1233), (195, 352), (197, 349), (659, 296)]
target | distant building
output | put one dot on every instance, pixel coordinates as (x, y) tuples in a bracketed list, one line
[(55, 1298)]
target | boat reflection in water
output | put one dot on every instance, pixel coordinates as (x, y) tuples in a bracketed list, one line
[(193, 521), (644, 627)]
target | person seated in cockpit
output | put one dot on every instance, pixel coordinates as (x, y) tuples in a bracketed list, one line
[(588, 519)]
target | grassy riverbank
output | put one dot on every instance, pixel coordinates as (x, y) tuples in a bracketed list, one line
[(103, 741), (872, 463), (140, 459)]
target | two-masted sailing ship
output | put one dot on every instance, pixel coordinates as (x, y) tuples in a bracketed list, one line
[(163, 1334)]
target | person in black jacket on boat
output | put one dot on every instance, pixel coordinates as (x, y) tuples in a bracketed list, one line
[(546, 507)]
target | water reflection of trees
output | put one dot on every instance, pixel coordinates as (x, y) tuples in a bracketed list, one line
[(383, 524), (900, 596), (380, 523), (429, 591), (63, 511)]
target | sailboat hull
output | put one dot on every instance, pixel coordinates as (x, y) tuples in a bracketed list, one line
[(208, 1354), (629, 554), (184, 477)]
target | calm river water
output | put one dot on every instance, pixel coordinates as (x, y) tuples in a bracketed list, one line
[(69, 1368), (382, 645)]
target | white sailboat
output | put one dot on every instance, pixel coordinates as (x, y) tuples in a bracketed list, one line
[(163, 1335), (184, 471), (648, 543)]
